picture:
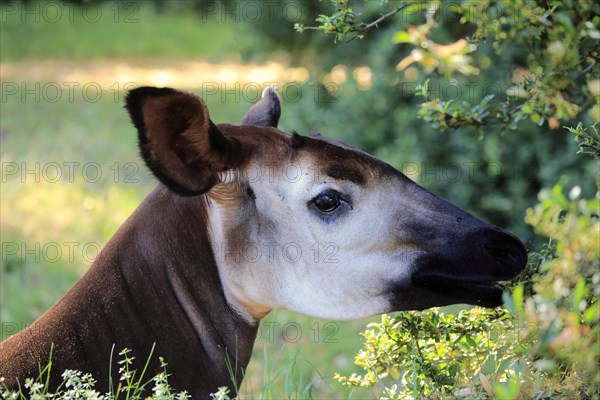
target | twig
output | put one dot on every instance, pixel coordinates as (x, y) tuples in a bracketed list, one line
[(367, 27), (587, 69)]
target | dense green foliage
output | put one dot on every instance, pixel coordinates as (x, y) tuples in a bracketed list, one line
[(552, 82)]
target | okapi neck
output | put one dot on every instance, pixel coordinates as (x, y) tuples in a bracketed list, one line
[(174, 268), (155, 285)]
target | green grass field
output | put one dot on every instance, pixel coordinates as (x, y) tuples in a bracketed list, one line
[(43, 30)]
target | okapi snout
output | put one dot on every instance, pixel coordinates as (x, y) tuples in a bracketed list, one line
[(467, 268), (508, 251), (457, 258)]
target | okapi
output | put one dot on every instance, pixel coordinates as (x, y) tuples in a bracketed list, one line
[(173, 276)]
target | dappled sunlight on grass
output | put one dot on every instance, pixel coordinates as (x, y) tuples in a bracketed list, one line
[(115, 75), (53, 212), (51, 233)]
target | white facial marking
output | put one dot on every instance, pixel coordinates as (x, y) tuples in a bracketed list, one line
[(279, 251)]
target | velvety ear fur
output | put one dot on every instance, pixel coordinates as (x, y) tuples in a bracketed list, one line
[(266, 111), (177, 139)]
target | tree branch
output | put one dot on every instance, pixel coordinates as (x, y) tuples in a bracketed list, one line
[(369, 26)]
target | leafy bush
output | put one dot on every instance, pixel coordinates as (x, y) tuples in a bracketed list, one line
[(554, 74), (433, 353)]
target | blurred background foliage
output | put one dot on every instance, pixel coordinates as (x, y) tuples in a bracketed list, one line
[(490, 105)]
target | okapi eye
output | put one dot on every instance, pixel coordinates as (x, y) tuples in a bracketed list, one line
[(327, 202)]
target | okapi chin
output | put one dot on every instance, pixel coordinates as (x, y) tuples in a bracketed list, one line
[(228, 235)]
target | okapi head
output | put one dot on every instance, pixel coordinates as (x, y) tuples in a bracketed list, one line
[(313, 225)]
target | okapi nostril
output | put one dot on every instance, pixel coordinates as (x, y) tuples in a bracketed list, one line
[(499, 254), (511, 253)]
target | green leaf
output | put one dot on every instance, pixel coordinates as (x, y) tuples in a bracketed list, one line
[(536, 118), (559, 197), (402, 37), (470, 341), (592, 314), (517, 300), (507, 391)]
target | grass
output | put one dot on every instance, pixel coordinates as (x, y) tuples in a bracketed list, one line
[(41, 215), (134, 383), (296, 354), (293, 353), (56, 30)]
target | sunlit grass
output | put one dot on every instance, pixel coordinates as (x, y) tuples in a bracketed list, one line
[(51, 232), (38, 30), (297, 354)]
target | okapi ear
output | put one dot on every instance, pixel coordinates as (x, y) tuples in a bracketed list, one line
[(266, 111), (178, 141)]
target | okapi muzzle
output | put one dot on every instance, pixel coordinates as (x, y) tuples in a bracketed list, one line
[(460, 257), (228, 234)]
